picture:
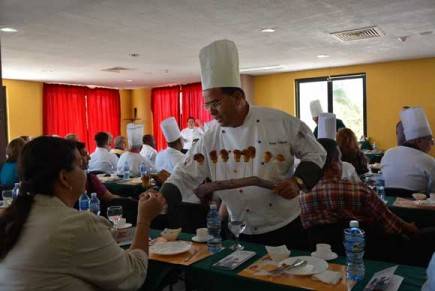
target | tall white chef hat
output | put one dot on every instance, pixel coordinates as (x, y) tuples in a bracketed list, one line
[(170, 129), (327, 127), (219, 65), (415, 123), (134, 134), (315, 108)]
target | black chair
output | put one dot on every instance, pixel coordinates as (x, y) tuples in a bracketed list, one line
[(399, 192)]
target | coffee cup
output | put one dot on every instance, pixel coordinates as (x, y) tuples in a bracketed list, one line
[(122, 221), (323, 249), (202, 233), (432, 196)]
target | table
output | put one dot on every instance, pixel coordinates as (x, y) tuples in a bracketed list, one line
[(202, 276), (125, 190), (421, 217)]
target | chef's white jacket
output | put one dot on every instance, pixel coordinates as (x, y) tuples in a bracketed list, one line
[(102, 160), (133, 161), (168, 158), (149, 153), (190, 134), (267, 130), (407, 168)]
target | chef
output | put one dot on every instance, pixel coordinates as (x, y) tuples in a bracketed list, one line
[(240, 142), (191, 133), (168, 158), (327, 126), (316, 110), (410, 166)]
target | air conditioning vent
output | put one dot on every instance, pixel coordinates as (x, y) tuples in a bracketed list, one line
[(359, 33), (116, 69)]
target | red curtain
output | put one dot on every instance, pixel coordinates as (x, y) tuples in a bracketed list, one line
[(103, 107), (193, 104), (165, 102), (64, 110)]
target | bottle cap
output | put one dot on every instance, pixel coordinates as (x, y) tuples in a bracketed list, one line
[(354, 223), (94, 194)]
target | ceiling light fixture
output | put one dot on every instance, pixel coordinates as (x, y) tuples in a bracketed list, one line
[(268, 29), (265, 68), (322, 56), (8, 29), (129, 80), (134, 55)]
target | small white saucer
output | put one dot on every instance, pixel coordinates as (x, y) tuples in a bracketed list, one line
[(196, 239), (125, 225), (326, 257)]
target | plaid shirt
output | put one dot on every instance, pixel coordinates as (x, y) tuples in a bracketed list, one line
[(335, 200)]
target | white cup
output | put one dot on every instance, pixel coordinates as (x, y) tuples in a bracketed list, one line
[(432, 196), (122, 221), (323, 249), (202, 233)]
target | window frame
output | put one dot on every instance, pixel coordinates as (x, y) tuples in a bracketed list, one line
[(329, 80)]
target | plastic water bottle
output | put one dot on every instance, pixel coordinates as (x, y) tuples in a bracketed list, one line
[(142, 169), (16, 191), (126, 171), (84, 202), (214, 241), (380, 188), (94, 204), (354, 243)]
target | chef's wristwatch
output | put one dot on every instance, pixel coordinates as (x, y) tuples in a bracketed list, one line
[(300, 183)]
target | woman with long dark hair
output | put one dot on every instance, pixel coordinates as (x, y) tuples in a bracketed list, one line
[(45, 244), (350, 151)]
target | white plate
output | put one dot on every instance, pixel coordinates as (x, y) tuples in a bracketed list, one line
[(125, 225), (196, 239), (314, 265), (326, 257), (170, 247)]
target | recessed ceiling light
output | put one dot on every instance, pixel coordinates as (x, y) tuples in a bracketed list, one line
[(268, 29), (129, 80), (322, 56), (8, 29)]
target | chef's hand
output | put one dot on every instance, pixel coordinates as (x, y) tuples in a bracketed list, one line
[(287, 189)]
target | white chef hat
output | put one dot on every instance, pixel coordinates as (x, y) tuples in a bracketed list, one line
[(415, 123), (315, 108), (134, 134), (219, 65), (327, 127), (170, 129)]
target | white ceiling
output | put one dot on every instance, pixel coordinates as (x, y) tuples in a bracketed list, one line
[(71, 41)]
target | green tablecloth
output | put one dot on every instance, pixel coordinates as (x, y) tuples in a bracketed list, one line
[(124, 190), (203, 276), (421, 217)]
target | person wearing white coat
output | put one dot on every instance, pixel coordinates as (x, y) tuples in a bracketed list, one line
[(269, 137), (410, 166)]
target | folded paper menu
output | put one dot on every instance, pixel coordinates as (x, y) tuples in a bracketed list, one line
[(235, 259), (384, 280)]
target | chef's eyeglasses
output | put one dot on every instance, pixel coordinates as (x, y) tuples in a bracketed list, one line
[(213, 104)]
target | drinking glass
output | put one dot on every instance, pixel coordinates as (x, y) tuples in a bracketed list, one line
[(114, 214), (7, 197), (236, 227)]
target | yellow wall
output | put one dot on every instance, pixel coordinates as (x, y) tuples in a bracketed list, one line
[(141, 100), (24, 108), (126, 112), (389, 86)]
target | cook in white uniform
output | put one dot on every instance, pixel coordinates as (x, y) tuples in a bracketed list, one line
[(101, 159), (327, 128), (191, 133), (410, 166), (316, 110), (271, 137), (148, 150), (168, 158), (132, 156)]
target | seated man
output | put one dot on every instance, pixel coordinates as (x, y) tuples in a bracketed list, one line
[(410, 166), (168, 158), (119, 145), (101, 159), (148, 150), (133, 159), (334, 201)]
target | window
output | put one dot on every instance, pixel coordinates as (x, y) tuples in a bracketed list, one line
[(345, 96)]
